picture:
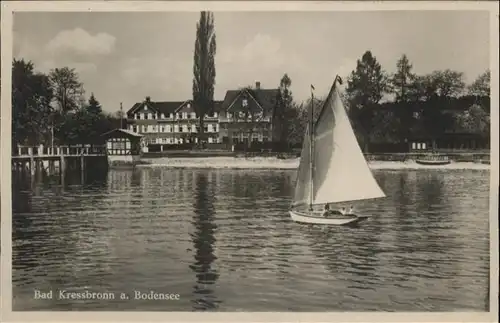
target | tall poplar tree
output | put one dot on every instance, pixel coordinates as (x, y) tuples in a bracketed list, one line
[(204, 68)]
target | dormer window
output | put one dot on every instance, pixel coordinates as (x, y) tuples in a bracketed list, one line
[(244, 102), (163, 115), (215, 114), (189, 105), (145, 107), (171, 116)]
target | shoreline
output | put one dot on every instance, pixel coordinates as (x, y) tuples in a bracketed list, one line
[(273, 163)]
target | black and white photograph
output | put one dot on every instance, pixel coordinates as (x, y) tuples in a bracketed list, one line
[(206, 159)]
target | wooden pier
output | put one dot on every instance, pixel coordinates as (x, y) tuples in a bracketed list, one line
[(52, 160)]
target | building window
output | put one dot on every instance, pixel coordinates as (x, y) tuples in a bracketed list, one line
[(143, 128), (193, 128), (185, 128), (131, 128), (162, 115), (176, 128), (141, 116), (193, 115), (209, 128), (184, 115), (150, 116), (136, 116), (215, 114), (177, 116), (171, 116), (423, 145), (244, 102), (161, 128), (229, 115), (169, 128), (413, 145)]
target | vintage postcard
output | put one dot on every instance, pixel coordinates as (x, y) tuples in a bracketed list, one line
[(261, 161)]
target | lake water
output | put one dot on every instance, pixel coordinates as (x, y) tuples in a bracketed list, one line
[(223, 240)]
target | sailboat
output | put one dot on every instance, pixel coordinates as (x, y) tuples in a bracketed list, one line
[(332, 166)]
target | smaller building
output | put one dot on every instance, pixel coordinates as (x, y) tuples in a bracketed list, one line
[(122, 142)]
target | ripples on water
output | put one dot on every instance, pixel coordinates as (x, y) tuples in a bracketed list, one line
[(223, 240)]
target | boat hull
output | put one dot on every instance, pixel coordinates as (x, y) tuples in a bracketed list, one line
[(317, 218), (433, 162)]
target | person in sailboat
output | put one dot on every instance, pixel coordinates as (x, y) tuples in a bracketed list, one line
[(342, 211), (351, 210), (326, 211)]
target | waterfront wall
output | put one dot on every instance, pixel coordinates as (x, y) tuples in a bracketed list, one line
[(118, 161)]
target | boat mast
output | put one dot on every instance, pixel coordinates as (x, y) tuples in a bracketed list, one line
[(311, 149)]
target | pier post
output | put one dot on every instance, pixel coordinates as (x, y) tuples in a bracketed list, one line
[(62, 168), (52, 167), (82, 168)]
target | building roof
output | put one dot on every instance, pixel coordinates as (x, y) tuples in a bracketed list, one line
[(264, 97), (126, 132), (167, 107)]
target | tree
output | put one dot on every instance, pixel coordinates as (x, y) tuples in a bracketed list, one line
[(297, 121), (31, 110), (92, 115), (67, 89), (94, 107), (473, 120), (402, 84), (204, 68), (481, 86), (402, 79), (283, 112), (365, 88)]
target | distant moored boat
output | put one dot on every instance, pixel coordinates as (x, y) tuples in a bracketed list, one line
[(433, 160)]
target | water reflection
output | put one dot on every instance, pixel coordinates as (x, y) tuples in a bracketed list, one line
[(203, 242), (224, 241)]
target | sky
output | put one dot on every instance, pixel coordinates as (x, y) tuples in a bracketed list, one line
[(126, 56)]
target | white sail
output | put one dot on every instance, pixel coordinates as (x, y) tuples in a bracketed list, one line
[(340, 171), (303, 184)]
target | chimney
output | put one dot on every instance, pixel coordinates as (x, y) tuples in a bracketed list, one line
[(148, 99), (257, 85)]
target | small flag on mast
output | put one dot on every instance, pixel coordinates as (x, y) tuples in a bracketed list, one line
[(312, 87), (340, 80)]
